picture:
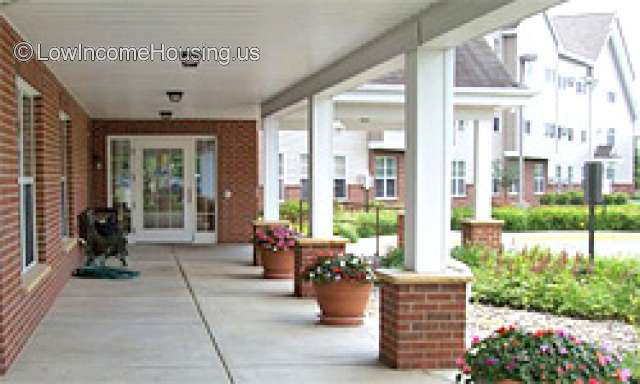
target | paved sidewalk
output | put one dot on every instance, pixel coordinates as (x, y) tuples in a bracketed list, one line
[(152, 330)]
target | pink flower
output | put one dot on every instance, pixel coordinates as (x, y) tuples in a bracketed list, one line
[(475, 340), (623, 375), (459, 362)]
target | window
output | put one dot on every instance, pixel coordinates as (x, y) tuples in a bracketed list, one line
[(304, 176), (558, 175), (496, 124), (461, 125), (580, 88), (538, 178), (611, 97), (458, 183), (527, 127), (570, 175), (26, 176), (386, 177), (611, 137), (570, 134), (570, 82), (515, 186), (561, 132), (583, 136), (496, 185), (550, 130), (611, 173), (340, 177), (281, 176), (64, 178)]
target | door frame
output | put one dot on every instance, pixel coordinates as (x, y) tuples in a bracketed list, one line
[(136, 192)]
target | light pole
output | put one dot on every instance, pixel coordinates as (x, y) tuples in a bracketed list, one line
[(591, 83)]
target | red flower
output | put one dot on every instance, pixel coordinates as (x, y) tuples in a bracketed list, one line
[(502, 330), (593, 381), (466, 369), (539, 333)]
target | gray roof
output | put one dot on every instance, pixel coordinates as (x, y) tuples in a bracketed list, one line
[(476, 66), (584, 34)]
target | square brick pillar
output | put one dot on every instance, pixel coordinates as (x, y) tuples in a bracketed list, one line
[(486, 233), (423, 318), (308, 252), (264, 225)]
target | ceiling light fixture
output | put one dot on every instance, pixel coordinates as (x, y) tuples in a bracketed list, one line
[(166, 115), (175, 96)]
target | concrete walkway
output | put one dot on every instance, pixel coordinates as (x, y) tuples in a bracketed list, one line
[(198, 315)]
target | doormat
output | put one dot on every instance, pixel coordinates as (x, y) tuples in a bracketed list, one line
[(105, 272)]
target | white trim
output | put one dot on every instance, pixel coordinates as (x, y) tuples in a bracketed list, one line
[(385, 177), (190, 212), (283, 177), (25, 87)]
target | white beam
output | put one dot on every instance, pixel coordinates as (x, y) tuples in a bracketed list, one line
[(429, 121), (320, 120), (270, 151), (444, 24), (483, 130)]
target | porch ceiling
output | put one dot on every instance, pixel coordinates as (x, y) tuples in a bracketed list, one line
[(296, 38)]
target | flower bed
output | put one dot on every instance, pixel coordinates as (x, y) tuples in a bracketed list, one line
[(536, 279), (544, 356)]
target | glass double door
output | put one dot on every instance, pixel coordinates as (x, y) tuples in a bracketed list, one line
[(169, 184)]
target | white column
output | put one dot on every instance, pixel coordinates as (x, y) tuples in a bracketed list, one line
[(482, 169), (320, 120), (429, 125), (270, 184)]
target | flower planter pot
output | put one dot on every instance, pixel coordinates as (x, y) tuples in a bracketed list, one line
[(278, 264), (342, 302)]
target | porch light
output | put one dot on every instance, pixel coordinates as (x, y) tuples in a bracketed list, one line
[(166, 115), (175, 96)]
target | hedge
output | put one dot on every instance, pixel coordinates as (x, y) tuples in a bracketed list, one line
[(559, 218), (577, 198)]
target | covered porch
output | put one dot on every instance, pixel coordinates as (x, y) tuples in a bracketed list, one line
[(198, 314)]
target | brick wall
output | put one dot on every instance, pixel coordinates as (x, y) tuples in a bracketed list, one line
[(237, 165), (422, 325), (22, 309)]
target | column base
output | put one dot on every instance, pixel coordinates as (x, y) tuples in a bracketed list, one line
[(485, 233), (423, 318), (264, 225), (308, 252)]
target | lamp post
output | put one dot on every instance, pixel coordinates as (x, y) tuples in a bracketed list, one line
[(591, 83)]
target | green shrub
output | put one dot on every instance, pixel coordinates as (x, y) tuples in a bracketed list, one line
[(621, 198), (458, 214), (632, 360), (562, 199), (346, 230), (548, 198), (290, 210), (575, 198), (364, 223), (536, 279), (515, 219), (394, 259)]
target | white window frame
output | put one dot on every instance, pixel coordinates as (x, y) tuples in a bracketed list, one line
[(539, 184), (385, 178), (570, 175), (24, 89), (461, 175), (282, 166), (559, 176), (64, 121), (611, 137), (611, 97), (345, 178)]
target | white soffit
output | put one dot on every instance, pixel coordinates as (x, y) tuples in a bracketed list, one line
[(296, 38)]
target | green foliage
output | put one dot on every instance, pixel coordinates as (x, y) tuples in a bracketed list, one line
[(346, 230), (543, 356), (394, 259), (632, 361), (458, 214), (577, 198), (561, 218), (549, 198), (365, 222), (290, 210), (536, 279)]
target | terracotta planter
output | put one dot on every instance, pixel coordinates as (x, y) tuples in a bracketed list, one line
[(342, 302), (278, 265)]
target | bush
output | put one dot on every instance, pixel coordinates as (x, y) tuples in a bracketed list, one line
[(576, 198), (562, 199), (394, 259), (346, 230), (364, 223), (290, 210), (548, 199), (458, 214), (562, 218), (536, 279)]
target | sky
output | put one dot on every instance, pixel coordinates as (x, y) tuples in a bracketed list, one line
[(627, 11)]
